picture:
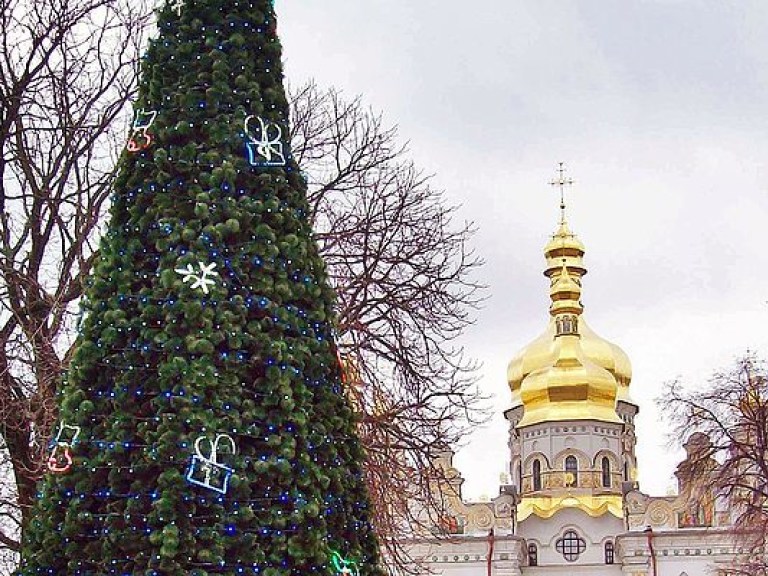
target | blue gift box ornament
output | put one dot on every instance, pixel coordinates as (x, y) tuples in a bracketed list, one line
[(265, 146), (206, 470)]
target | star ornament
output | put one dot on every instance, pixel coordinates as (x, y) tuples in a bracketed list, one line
[(201, 279)]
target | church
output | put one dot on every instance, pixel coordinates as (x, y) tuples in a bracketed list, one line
[(572, 504)]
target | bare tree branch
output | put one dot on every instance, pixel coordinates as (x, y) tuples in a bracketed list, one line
[(403, 273), (725, 425), (68, 68)]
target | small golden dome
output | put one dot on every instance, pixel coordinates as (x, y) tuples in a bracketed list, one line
[(564, 245), (569, 372)]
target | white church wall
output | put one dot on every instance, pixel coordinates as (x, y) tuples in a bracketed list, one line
[(586, 440), (467, 555), (697, 552), (595, 532)]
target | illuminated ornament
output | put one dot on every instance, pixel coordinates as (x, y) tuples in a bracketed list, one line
[(140, 137), (343, 566), (265, 147), (200, 280), (177, 6), (60, 461), (207, 471)]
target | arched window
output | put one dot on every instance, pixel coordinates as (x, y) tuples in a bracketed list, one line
[(606, 469), (626, 471), (572, 471), (537, 474), (533, 555), (609, 552), (520, 476)]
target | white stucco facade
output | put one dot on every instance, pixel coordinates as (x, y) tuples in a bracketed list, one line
[(650, 539)]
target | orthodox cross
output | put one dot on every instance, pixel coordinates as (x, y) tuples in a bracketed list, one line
[(177, 6), (561, 181)]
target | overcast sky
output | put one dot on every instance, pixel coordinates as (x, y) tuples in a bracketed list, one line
[(660, 111)]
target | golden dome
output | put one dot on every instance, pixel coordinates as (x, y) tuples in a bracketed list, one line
[(569, 372)]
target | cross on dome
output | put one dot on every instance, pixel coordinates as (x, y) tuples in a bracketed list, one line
[(561, 181)]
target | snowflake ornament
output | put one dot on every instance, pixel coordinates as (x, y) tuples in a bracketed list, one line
[(199, 279)]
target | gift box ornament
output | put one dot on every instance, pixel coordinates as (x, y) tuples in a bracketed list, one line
[(60, 460), (205, 470), (140, 137), (265, 147)]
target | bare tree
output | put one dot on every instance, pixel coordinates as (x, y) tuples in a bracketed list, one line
[(401, 266), (67, 70), (726, 421), (403, 273)]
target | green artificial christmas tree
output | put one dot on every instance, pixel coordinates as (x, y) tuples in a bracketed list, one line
[(203, 426)]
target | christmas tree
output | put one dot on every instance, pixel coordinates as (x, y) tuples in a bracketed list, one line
[(203, 425)]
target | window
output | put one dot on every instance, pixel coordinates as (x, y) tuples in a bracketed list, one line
[(567, 325), (606, 469), (570, 545), (533, 555), (626, 471), (609, 552), (520, 476), (537, 475), (571, 467)]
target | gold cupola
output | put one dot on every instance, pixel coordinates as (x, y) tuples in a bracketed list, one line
[(569, 372)]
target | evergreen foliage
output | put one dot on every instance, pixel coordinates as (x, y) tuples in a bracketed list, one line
[(168, 361)]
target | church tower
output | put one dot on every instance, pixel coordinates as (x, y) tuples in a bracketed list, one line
[(571, 424), (573, 507)]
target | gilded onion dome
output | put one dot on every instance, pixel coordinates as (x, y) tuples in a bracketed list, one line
[(569, 372)]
